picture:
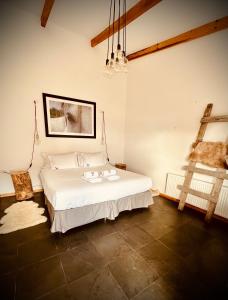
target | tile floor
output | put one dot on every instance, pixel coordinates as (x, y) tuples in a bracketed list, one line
[(146, 254)]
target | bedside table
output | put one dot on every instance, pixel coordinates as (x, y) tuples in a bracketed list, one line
[(121, 166)]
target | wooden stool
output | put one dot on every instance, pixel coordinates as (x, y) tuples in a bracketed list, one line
[(22, 184)]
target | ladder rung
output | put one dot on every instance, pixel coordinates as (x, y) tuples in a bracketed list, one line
[(216, 174), (214, 119), (196, 193)]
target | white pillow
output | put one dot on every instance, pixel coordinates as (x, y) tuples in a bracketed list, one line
[(63, 161), (91, 159)]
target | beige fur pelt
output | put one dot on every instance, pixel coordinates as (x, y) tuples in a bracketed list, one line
[(226, 159), (212, 154)]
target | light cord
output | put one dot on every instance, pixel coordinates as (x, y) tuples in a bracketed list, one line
[(114, 12), (119, 25), (109, 27), (104, 135), (125, 28), (34, 136)]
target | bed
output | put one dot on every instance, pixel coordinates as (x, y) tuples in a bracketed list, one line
[(72, 201)]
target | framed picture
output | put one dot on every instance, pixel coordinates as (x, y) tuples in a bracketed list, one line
[(68, 117)]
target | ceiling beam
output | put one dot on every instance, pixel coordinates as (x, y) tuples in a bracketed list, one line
[(195, 33), (133, 13), (46, 12)]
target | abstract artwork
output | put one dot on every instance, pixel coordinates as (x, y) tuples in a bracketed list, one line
[(68, 117)]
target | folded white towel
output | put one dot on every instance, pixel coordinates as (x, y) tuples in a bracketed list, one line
[(112, 172), (93, 180), (113, 177), (90, 174), (106, 173)]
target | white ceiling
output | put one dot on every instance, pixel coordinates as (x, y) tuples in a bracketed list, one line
[(168, 18)]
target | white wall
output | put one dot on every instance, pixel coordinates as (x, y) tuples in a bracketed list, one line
[(167, 93), (56, 61)]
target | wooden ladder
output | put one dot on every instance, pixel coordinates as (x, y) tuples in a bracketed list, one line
[(218, 174)]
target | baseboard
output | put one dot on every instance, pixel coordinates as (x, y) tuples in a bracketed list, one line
[(203, 211), (13, 194)]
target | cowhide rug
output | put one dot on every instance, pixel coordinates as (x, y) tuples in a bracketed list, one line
[(21, 215)]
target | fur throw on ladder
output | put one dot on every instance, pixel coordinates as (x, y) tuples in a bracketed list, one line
[(212, 154)]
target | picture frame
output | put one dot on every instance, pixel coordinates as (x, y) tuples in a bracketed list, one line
[(69, 117)]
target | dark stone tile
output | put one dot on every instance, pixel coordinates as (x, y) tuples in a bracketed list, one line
[(155, 228), (185, 239), (9, 242), (216, 228), (69, 240), (128, 219), (174, 219), (158, 290), (38, 279), (132, 273), (111, 246), (8, 260), (97, 286), (6, 202), (161, 259), (210, 264), (123, 221), (76, 237), (98, 229), (74, 266), (61, 241), (7, 286), (88, 252), (61, 293), (136, 237), (186, 285), (141, 214), (35, 232), (36, 250), (164, 204)]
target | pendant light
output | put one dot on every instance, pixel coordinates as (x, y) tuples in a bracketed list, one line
[(116, 61)]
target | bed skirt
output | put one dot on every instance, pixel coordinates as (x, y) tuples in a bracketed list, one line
[(63, 220)]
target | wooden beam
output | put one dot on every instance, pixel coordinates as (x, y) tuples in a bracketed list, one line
[(46, 12), (195, 33), (214, 119), (133, 13)]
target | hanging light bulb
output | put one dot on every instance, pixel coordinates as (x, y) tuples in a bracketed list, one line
[(124, 62), (107, 70), (112, 62), (118, 52), (118, 56), (118, 60)]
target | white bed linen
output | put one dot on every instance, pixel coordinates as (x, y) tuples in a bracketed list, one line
[(66, 189)]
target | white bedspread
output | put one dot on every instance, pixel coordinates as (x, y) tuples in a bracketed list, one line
[(66, 189)]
